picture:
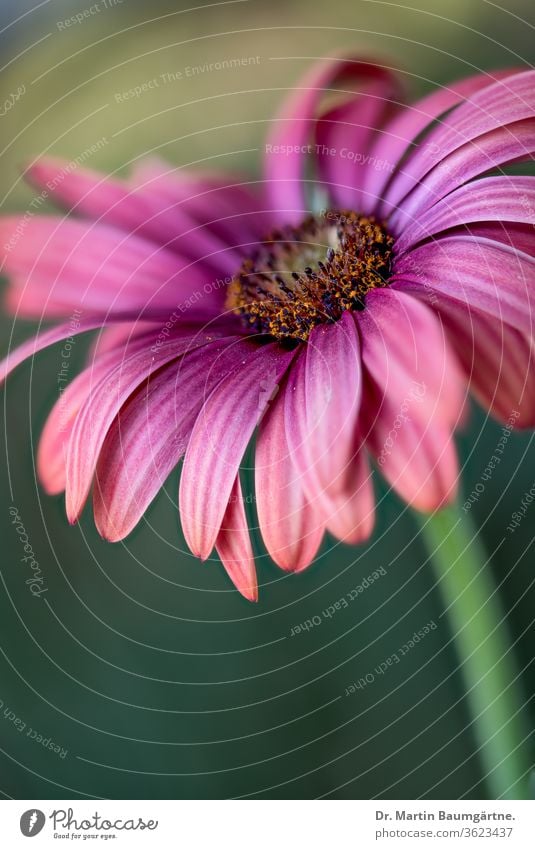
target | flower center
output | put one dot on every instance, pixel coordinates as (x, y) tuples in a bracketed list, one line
[(302, 276)]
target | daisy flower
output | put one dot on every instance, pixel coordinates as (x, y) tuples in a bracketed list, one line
[(338, 311)]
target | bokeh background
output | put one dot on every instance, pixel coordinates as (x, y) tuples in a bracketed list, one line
[(152, 675)]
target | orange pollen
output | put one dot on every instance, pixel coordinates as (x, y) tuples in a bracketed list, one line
[(302, 276)]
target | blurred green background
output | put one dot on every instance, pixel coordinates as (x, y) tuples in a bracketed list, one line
[(154, 677)]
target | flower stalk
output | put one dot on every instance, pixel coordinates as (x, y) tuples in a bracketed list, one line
[(479, 628)]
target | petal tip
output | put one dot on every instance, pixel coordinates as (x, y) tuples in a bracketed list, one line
[(291, 566), (73, 508), (249, 593)]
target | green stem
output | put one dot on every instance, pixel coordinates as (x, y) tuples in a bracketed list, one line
[(484, 650)]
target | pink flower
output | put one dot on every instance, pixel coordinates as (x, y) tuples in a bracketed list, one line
[(346, 334)]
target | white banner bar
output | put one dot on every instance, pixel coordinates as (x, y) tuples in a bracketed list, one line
[(265, 824)]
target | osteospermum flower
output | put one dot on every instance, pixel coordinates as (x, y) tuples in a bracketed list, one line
[(341, 310)]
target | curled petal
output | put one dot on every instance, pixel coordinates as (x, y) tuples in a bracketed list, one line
[(344, 136), (294, 126)]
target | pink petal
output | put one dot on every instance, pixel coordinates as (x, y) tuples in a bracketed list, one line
[(498, 361), (51, 453), (220, 436), (491, 199), (350, 515), (503, 146), (333, 394), (163, 219), (150, 433), (407, 354), (512, 234), (97, 414), (419, 462), (54, 440), (120, 336), (227, 207), (292, 526), (61, 264), (233, 545), (343, 493), (414, 393), (497, 105), (49, 337), (493, 277), (400, 134)]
